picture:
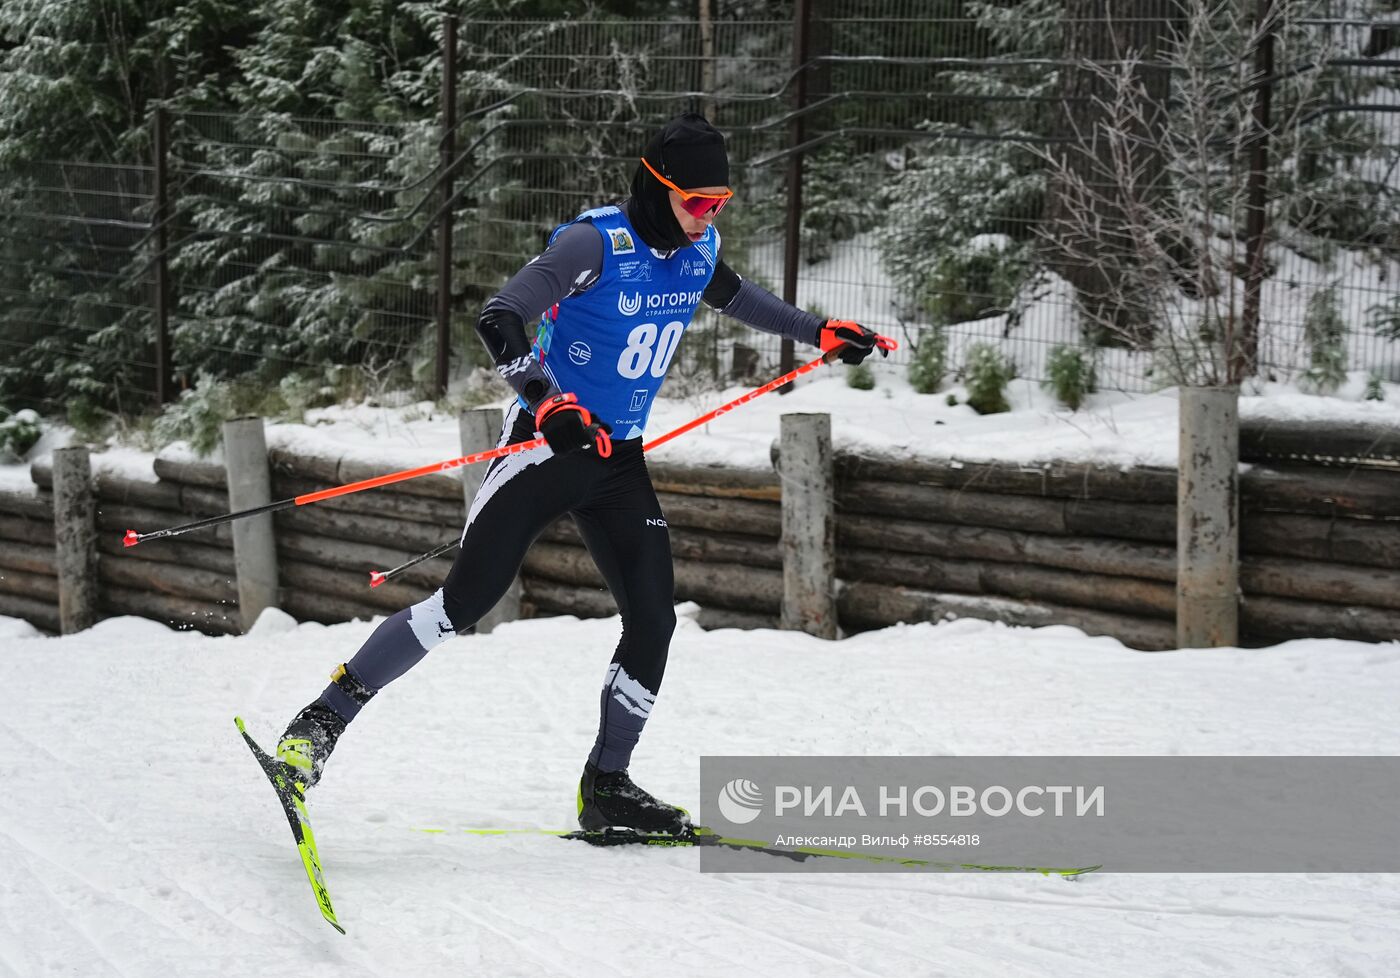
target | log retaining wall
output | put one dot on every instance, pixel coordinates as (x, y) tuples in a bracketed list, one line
[(1045, 543)]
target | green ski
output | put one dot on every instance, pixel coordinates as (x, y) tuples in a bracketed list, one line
[(702, 836), (292, 795)]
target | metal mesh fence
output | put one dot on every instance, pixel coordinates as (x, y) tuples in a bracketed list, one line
[(925, 130), (583, 99), (1337, 210), (926, 194), (303, 236), (72, 300)]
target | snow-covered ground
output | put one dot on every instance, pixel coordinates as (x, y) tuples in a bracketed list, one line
[(137, 837)]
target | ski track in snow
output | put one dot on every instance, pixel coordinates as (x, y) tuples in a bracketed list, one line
[(137, 837)]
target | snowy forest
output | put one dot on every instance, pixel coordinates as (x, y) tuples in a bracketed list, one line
[(1173, 173)]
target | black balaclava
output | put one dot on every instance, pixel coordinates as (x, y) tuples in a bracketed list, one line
[(689, 152)]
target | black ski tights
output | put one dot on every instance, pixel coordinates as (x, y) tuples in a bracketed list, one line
[(614, 506)]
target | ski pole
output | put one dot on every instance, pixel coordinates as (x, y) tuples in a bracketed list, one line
[(377, 578), (884, 342), (709, 416), (132, 538)]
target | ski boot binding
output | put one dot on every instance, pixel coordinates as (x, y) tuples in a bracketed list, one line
[(611, 803), (307, 742)]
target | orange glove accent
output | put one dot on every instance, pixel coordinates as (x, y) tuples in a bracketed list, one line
[(853, 340), (568, 426)]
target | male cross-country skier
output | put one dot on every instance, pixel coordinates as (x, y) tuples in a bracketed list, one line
[(613, 291)]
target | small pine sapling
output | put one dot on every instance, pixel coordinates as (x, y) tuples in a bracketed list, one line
[(1374, 390), (987, 373), (1324, 331), (18, 433), (929, 364), (1072, 375)]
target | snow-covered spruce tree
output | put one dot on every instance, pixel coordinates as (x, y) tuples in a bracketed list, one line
[(957, 237), (842, 180), (839, 200), (948, 240), (18, 433), (300, 256), (77, 79), (1336, 183), (860, 377), (77, 82)]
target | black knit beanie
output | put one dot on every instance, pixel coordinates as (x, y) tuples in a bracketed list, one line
[(689, 152)]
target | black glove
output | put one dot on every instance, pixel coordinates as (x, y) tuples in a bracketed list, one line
[(568, 426), (852, 341)]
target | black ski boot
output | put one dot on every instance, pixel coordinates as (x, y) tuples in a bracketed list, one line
[(307, 742), (610, 801)]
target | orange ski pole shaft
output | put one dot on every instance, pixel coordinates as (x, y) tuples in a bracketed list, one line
[(883, 342), (709, 416), (132, 538), (377, 578)]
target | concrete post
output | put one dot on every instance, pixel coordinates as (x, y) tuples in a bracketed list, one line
[(809, 524), (481, 429), (254, 542), (1207, 521), (75, 539)]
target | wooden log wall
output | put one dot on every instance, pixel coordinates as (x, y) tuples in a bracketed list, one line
[(186, 583), (326, 551), (1077, 544), (1320, 546), (1028, 545), (28, 571), (725, 526)]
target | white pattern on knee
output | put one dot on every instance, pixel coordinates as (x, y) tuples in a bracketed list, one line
[(429, 621)]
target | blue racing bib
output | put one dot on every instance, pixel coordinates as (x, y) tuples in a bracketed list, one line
[(613, 344)]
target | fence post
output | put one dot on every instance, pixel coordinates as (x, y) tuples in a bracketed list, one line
[(480, 429), (1207, 518), (809, 524), (797, 132), (254, 543), (706, 15), (165, 381), (75, 539), (1244, 351), (448, 150)]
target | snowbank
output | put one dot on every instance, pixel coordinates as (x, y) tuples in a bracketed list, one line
[(137, 837)]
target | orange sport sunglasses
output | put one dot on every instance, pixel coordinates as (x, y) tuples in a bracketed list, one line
[(696, 205)]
